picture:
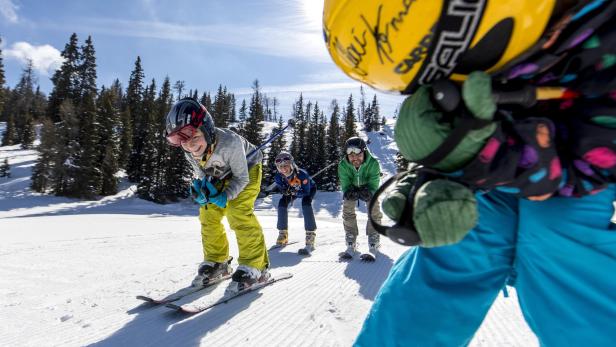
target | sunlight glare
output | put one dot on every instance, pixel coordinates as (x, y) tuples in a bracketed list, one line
[(313, 10)]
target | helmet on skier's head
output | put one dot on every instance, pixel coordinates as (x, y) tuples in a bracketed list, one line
[(355, 145), (184, 118), (284, 158), (398, 45)]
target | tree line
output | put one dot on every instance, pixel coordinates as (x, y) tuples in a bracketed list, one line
[(91, 137)]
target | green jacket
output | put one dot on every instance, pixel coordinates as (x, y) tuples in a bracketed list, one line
[(369, 173)]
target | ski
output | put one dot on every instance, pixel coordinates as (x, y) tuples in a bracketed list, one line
[(192, 309), (182, 292)]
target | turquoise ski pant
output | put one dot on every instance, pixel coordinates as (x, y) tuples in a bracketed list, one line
[(560, 254)]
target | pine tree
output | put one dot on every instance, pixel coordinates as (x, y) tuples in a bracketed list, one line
[(172, 181), (126, 139), (349, 120), (149, 169), (66, 149), (361, 111), (9, 137), (108, 147), (21, 105), (219, 108), (179, 87), (330, 176), (277, 146), (368, 119), (242, 118), (87, 70), (5, 168), (231, 108), (2, 81), (65, 83), (43, 169), (134, 97), (322, 156), (299, 131), (375, 114), (27, 132), (206, 101), (86, 173), (254, 125), (39, 105), (312, 163)]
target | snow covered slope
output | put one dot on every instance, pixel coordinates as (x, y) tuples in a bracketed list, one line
[(70, 271)]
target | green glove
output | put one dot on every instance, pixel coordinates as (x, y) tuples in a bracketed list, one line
[(444, 212), (421, 127), (395, 200), (477, 95)]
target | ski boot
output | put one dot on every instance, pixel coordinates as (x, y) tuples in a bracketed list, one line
[(373, 250), (349, 252), (210, 270), (245, 276), (310, 236), (283, 238)]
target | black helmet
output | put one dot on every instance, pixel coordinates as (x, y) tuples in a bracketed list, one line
[(355, 142), (189, 111)]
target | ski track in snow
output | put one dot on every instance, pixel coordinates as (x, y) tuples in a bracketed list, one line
[(70, 271)]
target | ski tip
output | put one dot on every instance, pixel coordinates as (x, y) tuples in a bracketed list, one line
[(145, 298)]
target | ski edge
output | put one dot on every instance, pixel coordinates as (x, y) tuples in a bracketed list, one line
[(182, 292), (190, 309)]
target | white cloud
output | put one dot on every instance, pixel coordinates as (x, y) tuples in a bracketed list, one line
[(45, 58), (8, 10), (286, 38)]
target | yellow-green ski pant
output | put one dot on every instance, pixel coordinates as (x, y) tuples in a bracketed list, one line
[(241, 218)]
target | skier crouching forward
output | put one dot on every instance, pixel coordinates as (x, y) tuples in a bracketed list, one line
[(359, 174), (212, 152), (294, 183)]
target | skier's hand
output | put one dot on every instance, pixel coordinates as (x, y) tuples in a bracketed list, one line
[(443, 211), (197, 193), (422, 126), (364, 193), (351, 194), (215, 197), (287, 192)]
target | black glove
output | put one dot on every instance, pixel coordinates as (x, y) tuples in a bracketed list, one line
[(351, 194), (363, 193), (287, 192)]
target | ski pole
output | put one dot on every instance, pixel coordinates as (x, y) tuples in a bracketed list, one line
[(290, 123), (446, 94)]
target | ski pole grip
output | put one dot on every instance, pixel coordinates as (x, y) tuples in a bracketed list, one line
[(525, 97), (446, 95)]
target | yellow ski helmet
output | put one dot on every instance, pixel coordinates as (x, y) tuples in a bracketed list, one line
[(396, 45)]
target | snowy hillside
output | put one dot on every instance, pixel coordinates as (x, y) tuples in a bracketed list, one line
[(70, 270)]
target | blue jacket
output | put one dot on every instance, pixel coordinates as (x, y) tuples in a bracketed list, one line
[(299, 184)]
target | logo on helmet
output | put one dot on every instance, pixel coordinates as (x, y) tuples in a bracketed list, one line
[(452, 40), (416, 55)]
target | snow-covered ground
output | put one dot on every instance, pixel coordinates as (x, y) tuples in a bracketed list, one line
[(70, 271)]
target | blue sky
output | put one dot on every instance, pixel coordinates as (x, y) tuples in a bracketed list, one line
[(204, 43)]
